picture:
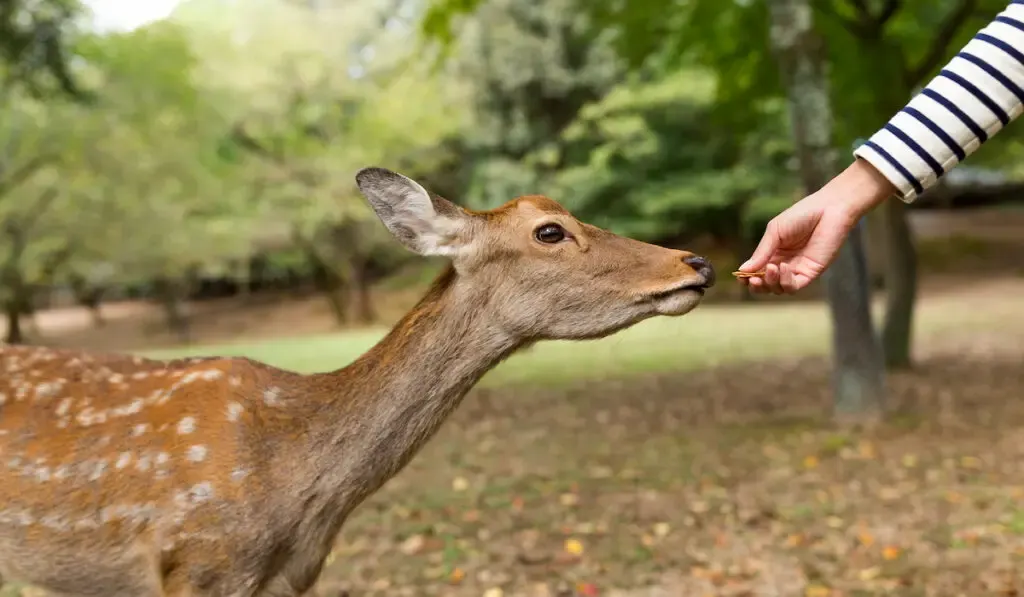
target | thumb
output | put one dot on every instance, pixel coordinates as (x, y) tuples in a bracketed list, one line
[(764, 251)]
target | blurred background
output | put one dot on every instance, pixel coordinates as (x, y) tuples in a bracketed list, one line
[(177, 178)]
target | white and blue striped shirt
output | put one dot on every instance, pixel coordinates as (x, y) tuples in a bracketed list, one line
[(977, 94)]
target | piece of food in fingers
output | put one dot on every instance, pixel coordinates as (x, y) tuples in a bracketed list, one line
[(749, 274)]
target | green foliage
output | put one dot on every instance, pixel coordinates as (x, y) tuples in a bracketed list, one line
[(34, 45)]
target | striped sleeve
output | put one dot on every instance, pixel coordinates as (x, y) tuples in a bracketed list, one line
[(977, 94)]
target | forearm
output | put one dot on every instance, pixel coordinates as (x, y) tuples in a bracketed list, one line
[(861, 186), (975, 96)]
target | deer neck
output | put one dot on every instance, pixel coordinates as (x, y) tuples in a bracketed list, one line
[(394, 398)]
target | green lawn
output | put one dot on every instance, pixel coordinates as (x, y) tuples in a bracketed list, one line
[(711, 335)]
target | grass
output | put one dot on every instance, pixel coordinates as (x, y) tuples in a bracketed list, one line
[(710, 336)]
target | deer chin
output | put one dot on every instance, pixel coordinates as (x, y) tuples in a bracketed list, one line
[(679, 300)]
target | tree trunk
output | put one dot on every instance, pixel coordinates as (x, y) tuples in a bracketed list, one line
[(89, 297), (170, 294), (359, 285), (901, 286), (329, 283), (14, 333), (859, 371)]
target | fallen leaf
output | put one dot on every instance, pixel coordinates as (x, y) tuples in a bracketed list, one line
[(662, 529), (569, 499), (870, 573), (817, 591), (811, 462), (647, 540), (494, 592), (970, 462), (909, 460), (891, 552), (573, 546), (456, 576), (413, 545), (587, 589), (866, 539), (460, 484)]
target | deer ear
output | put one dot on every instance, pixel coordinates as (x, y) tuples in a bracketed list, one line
[(424, 224)]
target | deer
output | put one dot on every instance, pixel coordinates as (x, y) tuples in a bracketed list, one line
[(123, 476)]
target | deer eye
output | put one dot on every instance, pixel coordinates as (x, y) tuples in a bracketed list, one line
[(550, 233)]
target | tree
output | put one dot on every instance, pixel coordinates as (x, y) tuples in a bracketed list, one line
[(897, 46), (132, 182), (35, 50), (858, 371), (313, 97)]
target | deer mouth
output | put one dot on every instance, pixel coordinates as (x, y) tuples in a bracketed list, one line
[(698, 287), (678, 300)]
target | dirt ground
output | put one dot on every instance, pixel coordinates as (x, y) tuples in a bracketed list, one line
[(726, 482)]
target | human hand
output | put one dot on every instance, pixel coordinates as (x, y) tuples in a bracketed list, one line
[(802, 241)]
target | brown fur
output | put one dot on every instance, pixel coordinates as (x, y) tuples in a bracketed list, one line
[(127, 477)]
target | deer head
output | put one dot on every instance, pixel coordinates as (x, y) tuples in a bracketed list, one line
[(543, 273)]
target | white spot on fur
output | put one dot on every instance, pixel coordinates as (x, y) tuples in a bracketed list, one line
[(64, 407), (131, 408), (85, 524), (234, 411), (201, 492), (48, 389), (140, 429), (186, 426), (197, 453), (140, 375), (212, 374), (123, 460), (55, 522), (89, 417), (98, 471), (235, 381), (238, 474), (272, 396), (143, 462)]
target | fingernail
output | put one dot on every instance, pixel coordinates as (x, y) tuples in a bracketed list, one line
[(745, 266)]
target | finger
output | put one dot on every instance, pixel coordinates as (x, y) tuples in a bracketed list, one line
[(801, 281), (757, 285), (764, 251), (771, 278), (786, 278)]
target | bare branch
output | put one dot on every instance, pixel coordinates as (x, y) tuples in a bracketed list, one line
[(940, 44), (888, 11), (855, 27)]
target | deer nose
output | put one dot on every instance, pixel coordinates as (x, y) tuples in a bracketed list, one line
[(702, 267)]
